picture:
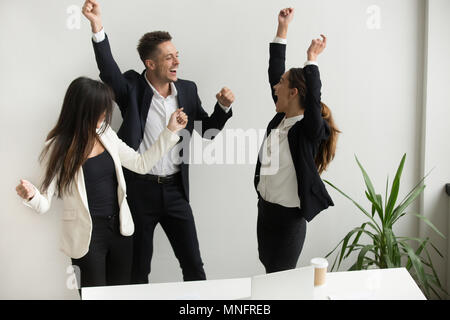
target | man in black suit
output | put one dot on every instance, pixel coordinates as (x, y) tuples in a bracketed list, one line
[(145, 100)]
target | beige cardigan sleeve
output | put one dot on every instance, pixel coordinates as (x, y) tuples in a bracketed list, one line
[(143, 163)]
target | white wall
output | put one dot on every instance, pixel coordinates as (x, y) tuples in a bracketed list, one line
[(436, 130), (372, 80)]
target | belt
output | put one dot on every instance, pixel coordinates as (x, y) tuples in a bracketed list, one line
[(159, 179), (111, 217)]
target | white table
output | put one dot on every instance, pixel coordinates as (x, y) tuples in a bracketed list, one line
[(227, 289), (385, 284), (377, 284)]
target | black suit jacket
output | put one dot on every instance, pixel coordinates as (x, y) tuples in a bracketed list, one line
[(133, 96), (304, 137)]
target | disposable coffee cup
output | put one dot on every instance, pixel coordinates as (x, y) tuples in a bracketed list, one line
[(320, 271)]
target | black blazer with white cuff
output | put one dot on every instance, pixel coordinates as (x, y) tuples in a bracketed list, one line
[(304, 137)]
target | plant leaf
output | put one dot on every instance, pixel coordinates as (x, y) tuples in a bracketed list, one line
[(362, 255), (431, 225), (395, 188), (391, 246), (370, 188), (380, 204), (385, 195), (433, 270), (433, 281), (355, 203), (355, 241), (335, 260), (371, 200), (416, 186), (407, 247), (418, 268), (401, 207), (436, 249), (346, 240), (420, 241), (353, 267), (397, 218)]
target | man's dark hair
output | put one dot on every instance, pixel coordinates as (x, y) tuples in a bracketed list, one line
[(148, 44)]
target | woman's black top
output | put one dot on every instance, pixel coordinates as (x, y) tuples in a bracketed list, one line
[(101, 185)]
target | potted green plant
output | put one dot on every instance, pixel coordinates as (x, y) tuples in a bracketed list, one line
[(384, 249)]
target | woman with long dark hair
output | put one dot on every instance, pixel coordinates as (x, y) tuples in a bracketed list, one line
[(300, 144), (83, 159)]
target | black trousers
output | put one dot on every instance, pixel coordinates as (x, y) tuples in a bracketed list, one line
[(152, 203), (109, 259), (281, 233)]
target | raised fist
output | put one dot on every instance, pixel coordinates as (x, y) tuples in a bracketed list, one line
[(225, 97), (91, 10), (178, 120), (285, 16), (316, 47), (25, 190)]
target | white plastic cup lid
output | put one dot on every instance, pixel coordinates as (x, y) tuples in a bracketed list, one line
[(319, 262)]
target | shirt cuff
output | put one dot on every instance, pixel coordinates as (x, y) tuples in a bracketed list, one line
[(307, 63), (34, 201), (226, 109), (99, 36), (279, 40)]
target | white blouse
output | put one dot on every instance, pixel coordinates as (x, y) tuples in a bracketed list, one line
[(278, 180)]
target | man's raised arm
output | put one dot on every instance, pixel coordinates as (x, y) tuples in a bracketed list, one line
[(109, 70)]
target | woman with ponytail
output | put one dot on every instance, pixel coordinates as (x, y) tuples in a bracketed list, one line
[(300, 144)]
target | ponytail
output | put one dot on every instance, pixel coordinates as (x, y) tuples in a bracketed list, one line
[(327, 148)]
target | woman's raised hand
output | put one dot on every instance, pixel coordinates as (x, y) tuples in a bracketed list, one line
[(25, 190), (178, 120), (316, 47), (284, 18)]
